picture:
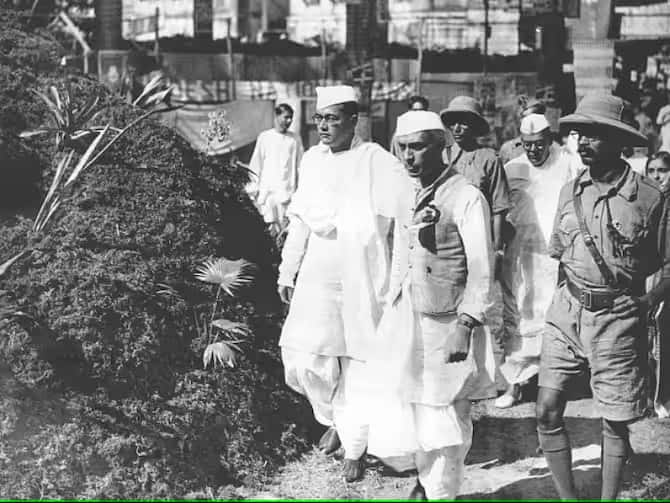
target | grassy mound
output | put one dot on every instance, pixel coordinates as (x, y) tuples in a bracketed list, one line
[(102, 391)]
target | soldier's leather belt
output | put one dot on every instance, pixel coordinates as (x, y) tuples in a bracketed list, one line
[(593, 300)]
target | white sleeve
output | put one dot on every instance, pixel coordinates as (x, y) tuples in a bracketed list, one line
[(392, 191), (473, 220), (293, 251), (256, 167), (295, 165)]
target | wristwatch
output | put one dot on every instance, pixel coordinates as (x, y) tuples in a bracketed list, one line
[(467, 321)]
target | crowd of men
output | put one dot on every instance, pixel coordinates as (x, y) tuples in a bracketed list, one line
[(394, 262)]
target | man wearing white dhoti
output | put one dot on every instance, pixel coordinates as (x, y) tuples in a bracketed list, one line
[(529, 274), (433, 356), (335, 270), (274, 167)]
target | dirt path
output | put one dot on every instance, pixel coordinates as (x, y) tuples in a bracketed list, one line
[(503, 462)]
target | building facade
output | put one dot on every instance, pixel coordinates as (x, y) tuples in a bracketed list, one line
[(442, 24), (190, 18)]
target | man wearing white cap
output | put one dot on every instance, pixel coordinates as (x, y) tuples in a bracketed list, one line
[(529, 275), (433, 356), (335, 270)]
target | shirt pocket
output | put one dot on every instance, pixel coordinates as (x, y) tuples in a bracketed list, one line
[(629, 238)]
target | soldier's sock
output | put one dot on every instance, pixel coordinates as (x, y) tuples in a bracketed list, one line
[(615, 450), (556, 447)]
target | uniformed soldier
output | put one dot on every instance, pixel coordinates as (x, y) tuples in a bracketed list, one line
[(481, 166), (607, 238)]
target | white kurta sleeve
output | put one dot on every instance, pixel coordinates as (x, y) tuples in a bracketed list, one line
[(473, 219), (295, 163), (256, 168), (392, 189), (293, 252)]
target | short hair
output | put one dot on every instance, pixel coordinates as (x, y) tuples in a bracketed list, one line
[(283, 108), (417, 99), (661, 155)]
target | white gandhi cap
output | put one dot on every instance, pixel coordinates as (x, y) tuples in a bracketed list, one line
[(418, 120), (334, 95), (533, 124)]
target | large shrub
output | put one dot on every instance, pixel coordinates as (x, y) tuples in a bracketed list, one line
[(104, 394)]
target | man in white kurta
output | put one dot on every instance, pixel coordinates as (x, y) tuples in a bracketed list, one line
[(433, 356), (529, 275), (335, 270), (274, 167)]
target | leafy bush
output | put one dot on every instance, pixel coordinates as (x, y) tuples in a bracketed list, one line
[(103, 393)]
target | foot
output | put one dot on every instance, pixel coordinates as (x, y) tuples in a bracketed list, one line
[(353, 469), (510, 398), (330, 441), (418, 493)]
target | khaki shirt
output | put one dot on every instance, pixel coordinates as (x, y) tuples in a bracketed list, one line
[(483, 169), (627, 226), (511, 149)]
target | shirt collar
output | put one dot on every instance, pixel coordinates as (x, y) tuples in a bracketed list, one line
[(424, 193), (626, 185)]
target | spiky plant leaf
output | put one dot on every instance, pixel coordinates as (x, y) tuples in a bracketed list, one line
[(35, 132), (53, 108), (158, 97), (231, 327), (85, 113), (4, 267), (148, 89), (228, 274), (84, 160), (219, 353), (60, 170)]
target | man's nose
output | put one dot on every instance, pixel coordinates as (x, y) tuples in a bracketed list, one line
[(583, 140)]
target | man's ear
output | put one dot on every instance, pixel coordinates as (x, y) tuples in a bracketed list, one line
[(354, 118)]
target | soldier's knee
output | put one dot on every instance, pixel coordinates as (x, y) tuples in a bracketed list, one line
[(549, 412)]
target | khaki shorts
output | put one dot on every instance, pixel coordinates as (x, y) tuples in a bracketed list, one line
[(613, 349)]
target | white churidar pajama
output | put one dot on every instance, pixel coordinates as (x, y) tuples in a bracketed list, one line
[(274, 165), (420, 410), (337, 247), (529, 275)]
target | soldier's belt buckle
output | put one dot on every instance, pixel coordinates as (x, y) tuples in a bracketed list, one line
[(586, 299)]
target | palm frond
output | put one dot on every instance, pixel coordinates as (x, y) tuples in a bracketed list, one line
[(228, 274), (231, 327), (219, 353), (166, 290)]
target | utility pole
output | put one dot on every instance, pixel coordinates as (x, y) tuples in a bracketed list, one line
[(324, 54), (231, 63), (419, 58), (487, 34), (264, 18), (364, 37)]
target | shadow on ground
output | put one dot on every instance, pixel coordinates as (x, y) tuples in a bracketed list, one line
[(502, 440)]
